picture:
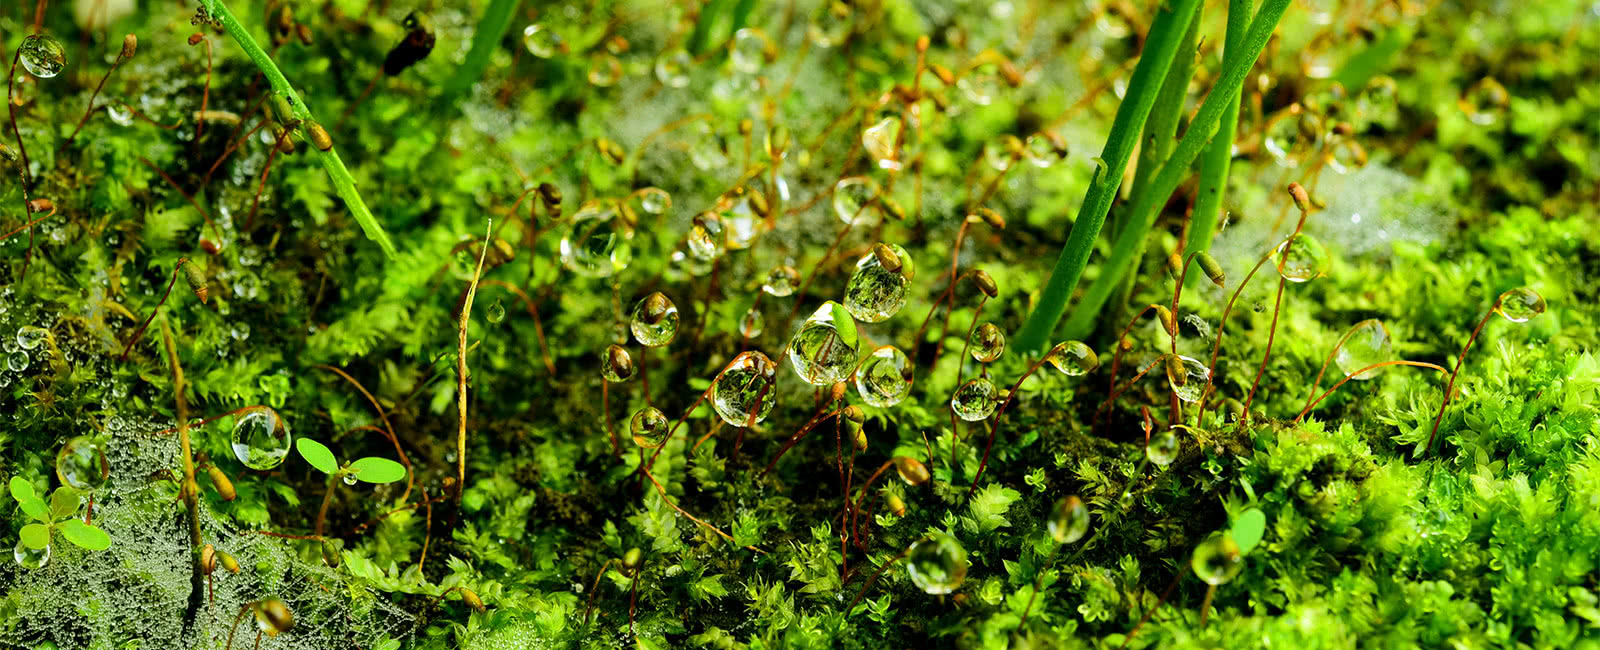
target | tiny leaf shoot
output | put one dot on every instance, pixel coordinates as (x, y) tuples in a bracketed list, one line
[(85, 535), (318, 455), (377, 470)]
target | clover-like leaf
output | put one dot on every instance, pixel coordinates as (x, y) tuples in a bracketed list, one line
[(85, 535), (318, 455), (31, 504), (1248, 529), (22, 490), (64, 503), (377, 470), (36, 536)]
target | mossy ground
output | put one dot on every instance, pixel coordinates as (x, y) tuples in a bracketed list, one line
[(1489, 540)]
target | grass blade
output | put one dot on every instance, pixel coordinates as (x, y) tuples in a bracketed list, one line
[(1218, 156)]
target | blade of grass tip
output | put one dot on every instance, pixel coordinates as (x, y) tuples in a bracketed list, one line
[(1160, 135), (1218, 156), (710, 15), (343, 183), (486, 37), (1161, 45), (1143, 212)]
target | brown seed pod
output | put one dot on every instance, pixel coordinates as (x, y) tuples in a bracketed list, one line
[(853, 413), (777, 141), (887, 258), (1212, 269), (208, 559), (330, 553), (1175, 371), (1175, 263), (274, 616), (859, 437), (610, 150), (837, 391), (632, 560), (41, 205), (911, 470), (1168, 323), (1302, 200), (472, 600), (130, 44), (943, 73), (619, 361), (897, 506), (892, 208), (318, 136), (196, 279), (303, 33), (228, 562), (989, 217), (985, 283), (195, 38), (1010, 74), (220, 481), (922, 43), (746, 125), (279, 108), (656, 308)]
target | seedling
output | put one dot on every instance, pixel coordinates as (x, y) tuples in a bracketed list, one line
[(60, 515), (370, 469)]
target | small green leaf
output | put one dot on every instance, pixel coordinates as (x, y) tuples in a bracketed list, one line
[(845, 323), (63, 503), (318, 455), (1248, 529), (21, 489), (85, 535), (36, 508), (36, 536), (377, 470)]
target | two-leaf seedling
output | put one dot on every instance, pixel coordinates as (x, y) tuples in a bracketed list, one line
[(60, 514), (370, 469), (1248, 529)]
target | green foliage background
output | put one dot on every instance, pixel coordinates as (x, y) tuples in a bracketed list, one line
[(1490, 541)]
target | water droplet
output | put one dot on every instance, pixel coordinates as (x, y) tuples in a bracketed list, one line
[(496, 312), (1302, 258), (120, 114), (81, 464), (781, 281), (853, 199), (741, 224), (981, 85), (649, 426), (937, 564), (752, 324), (876, 291), (1520, 304), (1187, 376), (974, 400), (276, 387), (1217, 559), (655, 320), (604, 70), (672, 68), (880, 139), (42, 56), (1378, 104), (260, 438), (31, 558), (988, 343), (1073, 358), (1345, 154), (1485, 102), (819, 354), (655, 200), (832, 25), (749, 51), (884, 377), (746, 389), (598, 243), (1162, 448), (706, 236), (1044, 151), (1367, 344), (1292, 134), (349, 479), (616, 365), (17, 361), (239, 331), (1069, 520), (1001, 153), (541, 41), (30, 337)]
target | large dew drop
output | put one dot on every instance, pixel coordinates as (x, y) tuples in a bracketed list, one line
[(1187, 376), (1073, 358), (655, 320), (749, 51), (853, 199), (752, 324), (42, 56), (884, 377), (880, 140), (974, 400), (260, 438), (649, 427), (597, 244), (1301, 258), (1368, 344), (819, 352), (746, 390), (937, 564), (541, 41), (1069, 520), (987, 343), (878, 287), (81, 464), (1217, 560), (1520, 304), (1162, 448), (672, 68), (31, 558), (30, 337)]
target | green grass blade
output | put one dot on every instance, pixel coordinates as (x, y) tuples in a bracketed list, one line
[(1161, 45), (1218, 156), (343, 183), (1143, 212), (486, 39)]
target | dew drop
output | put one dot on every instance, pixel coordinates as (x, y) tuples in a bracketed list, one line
[(884, 378), (616, 365), (655, 320), (1187, 376), (260, 438), (974, 400), (987, 343), (706, 236), (496, 312), (541, 41), (349, 479), (1520, 304), (604, 70), (1485, 102), (81, 464), (1073, 358), (880, 139), (17, 361), (42, 56), (853, 199), (832, 25), (937, 564), (598, 243), (655, 200), (120, 113), (672, 68), (746, 390), (30, 337), (1367, 344), (749, 51), (1162, 448), (1301, 258), (31, 558), (649, 427), (1069, 520), (1291, 135), (1043, 151), (1378, 104), (876, 291), (819, 352), (1217, 559), (752, 324), (781, 281)]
